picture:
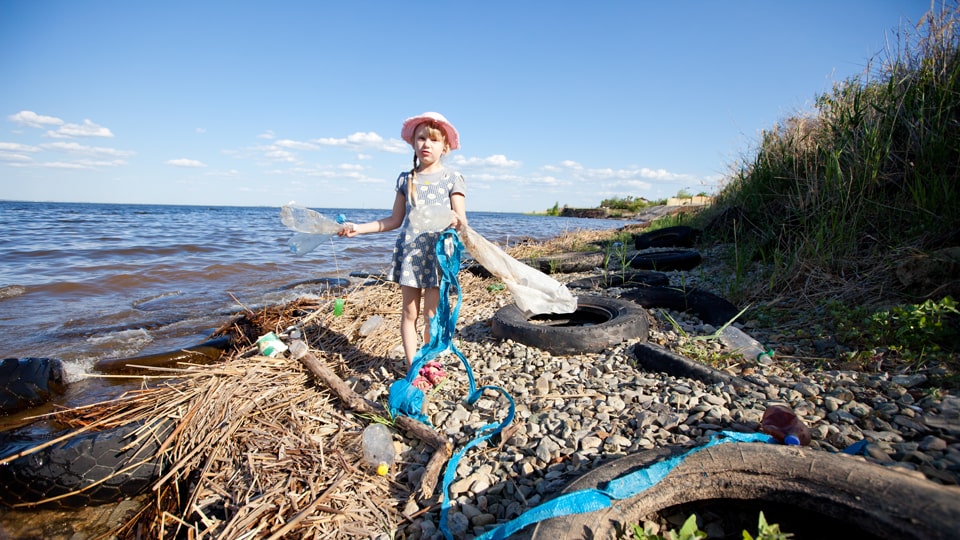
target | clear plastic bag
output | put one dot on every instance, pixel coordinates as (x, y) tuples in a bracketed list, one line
[(302, 219), (534, 292), (311, 227)]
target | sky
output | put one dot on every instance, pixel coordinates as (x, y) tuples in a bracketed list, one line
[(260, 103)]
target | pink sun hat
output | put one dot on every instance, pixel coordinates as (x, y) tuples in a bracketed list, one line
[(450, 132)]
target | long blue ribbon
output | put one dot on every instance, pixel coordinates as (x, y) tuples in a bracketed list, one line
[(624, 487), (407, 399)]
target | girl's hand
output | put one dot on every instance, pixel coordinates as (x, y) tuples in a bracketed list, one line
[(347, 229)]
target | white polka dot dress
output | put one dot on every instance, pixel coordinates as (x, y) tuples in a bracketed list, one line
[(414, 259)]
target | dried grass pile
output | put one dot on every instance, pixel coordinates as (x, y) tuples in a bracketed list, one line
[(260, 447)]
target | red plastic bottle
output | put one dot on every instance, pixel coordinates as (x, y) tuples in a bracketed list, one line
[(785, 426)]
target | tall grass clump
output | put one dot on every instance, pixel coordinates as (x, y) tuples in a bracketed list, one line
[(834, 200)]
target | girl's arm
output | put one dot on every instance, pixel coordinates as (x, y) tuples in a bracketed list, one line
[(459, 205), (381, 225)]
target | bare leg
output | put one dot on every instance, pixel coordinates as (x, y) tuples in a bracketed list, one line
[(408, 320), (431, 298)]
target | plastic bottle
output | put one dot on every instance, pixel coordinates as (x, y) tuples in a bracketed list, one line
[(298, 349), (302, 243), (744, 345), (378, 450), (433, 217), (302, 219), (370, 325), (781, 423)]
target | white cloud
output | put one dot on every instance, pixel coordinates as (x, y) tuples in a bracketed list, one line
[(93, 164), (281, 155), (201, 131), (32, 119), (365, 140), (14, 157), (268, 134), (87, 129), (188, 163), (499, 161), (83, 150), (232, 173), (17, 147), (65, 165), (295, 145)]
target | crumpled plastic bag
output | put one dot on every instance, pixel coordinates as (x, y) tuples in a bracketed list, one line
[(534, 292)]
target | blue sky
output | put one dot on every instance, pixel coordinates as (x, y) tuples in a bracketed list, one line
[(261, 103)]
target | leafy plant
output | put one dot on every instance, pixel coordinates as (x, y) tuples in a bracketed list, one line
[(913, 331), (767, 532), (690, 531), (615, 251)]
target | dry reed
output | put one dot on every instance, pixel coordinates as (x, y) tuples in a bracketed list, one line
[(259, 447)]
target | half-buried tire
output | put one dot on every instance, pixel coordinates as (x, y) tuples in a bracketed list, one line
[(711, 309), (676, 236), (665, 261), (599, 322), (640, 278), (655, 358), (87, 469), (568, 263), (808, 492), (29, 382)]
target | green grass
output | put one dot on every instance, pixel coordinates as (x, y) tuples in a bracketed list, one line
[(873, 173), (833, 201)]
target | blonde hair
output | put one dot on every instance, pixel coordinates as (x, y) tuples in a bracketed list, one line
[(436, 133)]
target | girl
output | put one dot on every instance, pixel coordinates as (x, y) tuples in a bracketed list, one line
[(414, 265)]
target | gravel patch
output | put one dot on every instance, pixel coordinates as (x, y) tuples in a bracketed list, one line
[(577, 412)]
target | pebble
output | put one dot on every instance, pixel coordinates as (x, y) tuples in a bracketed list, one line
[(576, 412)]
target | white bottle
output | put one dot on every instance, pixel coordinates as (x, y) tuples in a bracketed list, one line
[(378, 450), (370, 325), (744, 345)]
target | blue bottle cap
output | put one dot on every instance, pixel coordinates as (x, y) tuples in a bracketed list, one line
[(792, 440)]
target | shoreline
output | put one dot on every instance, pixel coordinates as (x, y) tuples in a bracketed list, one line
[(574, 412)]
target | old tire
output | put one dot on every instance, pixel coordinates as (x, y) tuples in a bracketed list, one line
[(28, 382), (677, 236), (598, 323), (207, 352), (653, 357), (87, 469), (848, 490), (711, 309), (568, 263), (641, 278), (666, 260)]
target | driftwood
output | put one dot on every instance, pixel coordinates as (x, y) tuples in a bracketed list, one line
[(442, 447)]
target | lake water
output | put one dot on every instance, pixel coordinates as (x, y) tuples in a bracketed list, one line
[(85, 282)]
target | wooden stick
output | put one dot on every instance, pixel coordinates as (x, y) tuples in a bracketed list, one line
[(442, 447)]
